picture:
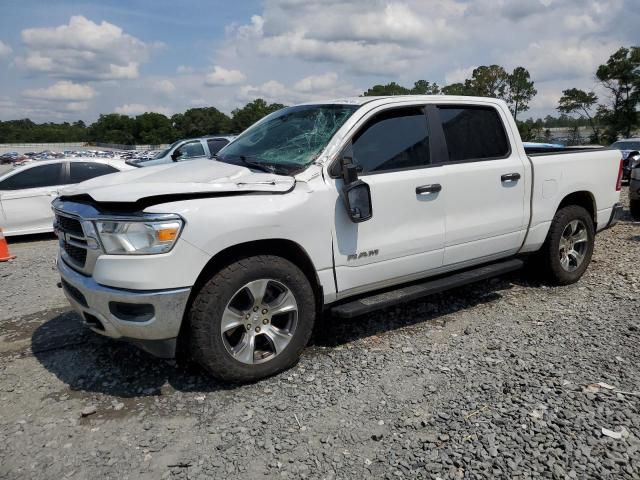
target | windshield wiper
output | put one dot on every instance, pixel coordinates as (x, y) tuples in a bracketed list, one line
[(264, 167)]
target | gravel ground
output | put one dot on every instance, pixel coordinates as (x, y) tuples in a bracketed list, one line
[(507, 379)]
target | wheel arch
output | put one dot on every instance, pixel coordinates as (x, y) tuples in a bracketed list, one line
[(584, 199), (284, 248)]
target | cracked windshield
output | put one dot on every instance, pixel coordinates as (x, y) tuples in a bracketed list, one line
[(288, 139)]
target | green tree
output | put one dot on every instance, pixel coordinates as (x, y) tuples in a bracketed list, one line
[(422, 87), (153, 128), (574, 136), (578, 102), (244, 117), (389, 89), (488, 81), (113, 128), (519, 91), (620, 76), (456, 89), (530, 130), (197, 122)]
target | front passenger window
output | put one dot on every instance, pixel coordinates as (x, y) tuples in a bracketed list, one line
[(191, 150), (396, 139), (48, 175)]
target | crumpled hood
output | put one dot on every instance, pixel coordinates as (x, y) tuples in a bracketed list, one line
[(191, 177)]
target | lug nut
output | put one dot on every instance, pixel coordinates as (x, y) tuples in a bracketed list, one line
[(257, 329), (255, 309), (265, 321), (264, 311), (248, 326)]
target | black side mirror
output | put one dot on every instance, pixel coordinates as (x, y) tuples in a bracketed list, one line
[(357, 197), (356, 193), (176, 155)]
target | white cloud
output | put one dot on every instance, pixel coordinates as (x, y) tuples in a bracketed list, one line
[(5, 50), (83, 49), (164, 86), (314, 83), (272, 91), (63, 91), (458, 75), (138, 108), (313, 87), (221, 76), (366, 37), (565, 59), (184, 69), (63, 97)]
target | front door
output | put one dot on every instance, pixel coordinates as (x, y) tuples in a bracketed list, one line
[(405, 236), (26, 199)]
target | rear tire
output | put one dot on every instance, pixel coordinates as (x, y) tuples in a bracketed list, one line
[(567, 251), (634, 207), (252, 319)]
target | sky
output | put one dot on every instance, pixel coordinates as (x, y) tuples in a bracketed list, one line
[(63, 60)]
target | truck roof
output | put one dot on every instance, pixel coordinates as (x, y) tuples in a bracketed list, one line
[(387, 98)]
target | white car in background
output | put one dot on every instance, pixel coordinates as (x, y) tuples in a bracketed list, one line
[(26, 192)]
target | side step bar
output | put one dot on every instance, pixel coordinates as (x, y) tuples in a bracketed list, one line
[(404, 294)]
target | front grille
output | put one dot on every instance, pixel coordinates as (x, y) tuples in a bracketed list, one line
[(72, 240), (75, 293), (77, 254), (69, 225)]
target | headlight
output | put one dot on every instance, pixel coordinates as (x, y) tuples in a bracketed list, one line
[(139, 237)]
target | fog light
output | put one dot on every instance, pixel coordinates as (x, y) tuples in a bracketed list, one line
[(132, 312)]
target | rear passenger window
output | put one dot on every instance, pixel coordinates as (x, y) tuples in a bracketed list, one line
[(393, 140), (473, 133), (81, 171)]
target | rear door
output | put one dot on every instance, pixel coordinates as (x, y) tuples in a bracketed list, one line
[(405, 236), (484, 188), (26, 198)]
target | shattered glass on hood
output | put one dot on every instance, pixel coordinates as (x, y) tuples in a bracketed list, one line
[(293, 136)]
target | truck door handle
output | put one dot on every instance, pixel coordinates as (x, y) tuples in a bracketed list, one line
[(431, 188), (510, 177)]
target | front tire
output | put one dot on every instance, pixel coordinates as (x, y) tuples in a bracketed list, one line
[(567, 251), (252, 319)]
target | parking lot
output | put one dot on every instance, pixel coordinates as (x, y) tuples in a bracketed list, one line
[(497, 380)]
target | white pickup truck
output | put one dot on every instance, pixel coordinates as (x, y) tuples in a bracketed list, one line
[(348, 205)]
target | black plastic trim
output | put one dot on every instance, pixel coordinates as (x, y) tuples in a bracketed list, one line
[(394, 296)]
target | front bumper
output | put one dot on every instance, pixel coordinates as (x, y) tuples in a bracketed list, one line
[(149, 318)]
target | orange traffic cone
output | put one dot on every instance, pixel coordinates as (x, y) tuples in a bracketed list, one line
[(4, 249)]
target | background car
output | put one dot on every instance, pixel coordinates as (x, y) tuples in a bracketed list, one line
[(629, 148), (189, 149), (26, 192)]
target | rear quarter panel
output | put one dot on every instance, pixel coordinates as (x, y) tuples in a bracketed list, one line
[(559, 175)]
